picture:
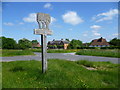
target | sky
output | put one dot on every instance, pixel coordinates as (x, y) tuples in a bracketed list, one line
[(83, 21)]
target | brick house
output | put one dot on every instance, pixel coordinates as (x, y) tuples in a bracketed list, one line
[(101, 42), (58, 44), (36, 45)]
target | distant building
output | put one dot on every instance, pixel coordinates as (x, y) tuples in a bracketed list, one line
[(85, 44), (58, 44), (101, 42), (36, 45)]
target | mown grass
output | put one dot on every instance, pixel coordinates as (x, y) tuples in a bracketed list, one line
[(56, 50), (16, 52), (0, 76), (60, 74), (0, 52), (62, 50), (93, 52), (99, 52), (35, 50), (31, 52)]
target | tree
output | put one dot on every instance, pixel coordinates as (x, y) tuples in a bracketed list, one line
[(86, 44), (75, 44), (34, 41), (115, 42), (8, 43), (24, 43), (67, 39)]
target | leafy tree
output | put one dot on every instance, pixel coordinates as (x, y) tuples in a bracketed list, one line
[(24, 43), (67, 39), (0, 42), (86, 44), (115, 42), (34, 41), (8, 43), (75, 44)]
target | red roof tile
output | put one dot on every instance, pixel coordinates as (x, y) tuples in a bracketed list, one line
[(100, 41)]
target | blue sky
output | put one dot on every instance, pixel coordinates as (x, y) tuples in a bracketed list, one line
[(79, 20)]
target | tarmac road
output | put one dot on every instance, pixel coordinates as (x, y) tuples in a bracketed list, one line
[(66, 56)]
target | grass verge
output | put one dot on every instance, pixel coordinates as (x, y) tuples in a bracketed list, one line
[(60, 74), (97, 52), (16, 52), (62, 51), (56, 50)]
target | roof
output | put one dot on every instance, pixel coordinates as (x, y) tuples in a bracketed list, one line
[(58, 42), (36, 45), (100, 41)]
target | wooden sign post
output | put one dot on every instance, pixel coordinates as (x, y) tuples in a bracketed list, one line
[(43, 22)]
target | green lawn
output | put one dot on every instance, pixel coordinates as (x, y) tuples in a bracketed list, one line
[(60, 74), (56, 50), (62, 51), (35, 50), (99, 52), (15, 52), (6, 52), (89, 52)]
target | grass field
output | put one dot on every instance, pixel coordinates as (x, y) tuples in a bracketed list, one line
[(89, 52), (56, 50), (60, 74), (16, 52), (99, 52), (62, 51), (31, 52), (35, 50)]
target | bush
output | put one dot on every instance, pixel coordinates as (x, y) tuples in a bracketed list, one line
[(55, 46), (24, 44), (87, 48), (112, 47), (8, 43)]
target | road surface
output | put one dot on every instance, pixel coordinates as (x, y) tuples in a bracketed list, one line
[(66, 56)]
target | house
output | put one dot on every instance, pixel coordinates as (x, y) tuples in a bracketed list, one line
[(101, 42), (36, 45), (58, 44)]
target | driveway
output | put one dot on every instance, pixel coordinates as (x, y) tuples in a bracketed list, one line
[(66, 56)]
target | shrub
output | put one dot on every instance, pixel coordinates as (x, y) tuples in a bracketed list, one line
[(112, 47)]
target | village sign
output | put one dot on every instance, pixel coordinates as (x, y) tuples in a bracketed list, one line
[(43, 22)]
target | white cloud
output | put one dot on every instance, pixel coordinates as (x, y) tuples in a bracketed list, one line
[(8, 24), (95, 27), (32, 18), (72, 17), (48, 5), (106, 15), (116, 34), (95, 30), (95, 33), (21, 23), (53, 19), (85, 34)]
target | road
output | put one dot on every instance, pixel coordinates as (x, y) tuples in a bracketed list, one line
[(66, 56)]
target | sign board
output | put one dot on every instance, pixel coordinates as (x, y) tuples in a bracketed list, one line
[(42, 32), (43, 22)]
